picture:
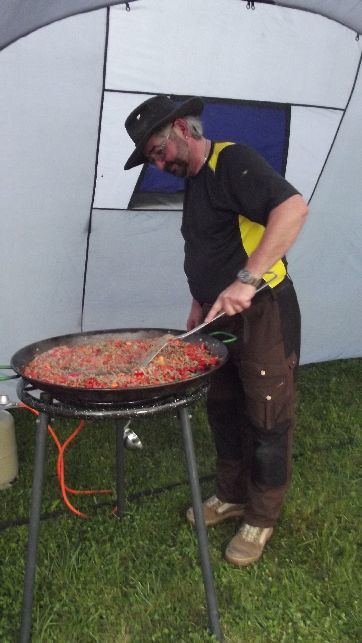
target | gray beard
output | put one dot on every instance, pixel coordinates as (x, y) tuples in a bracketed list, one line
[(177, 167)]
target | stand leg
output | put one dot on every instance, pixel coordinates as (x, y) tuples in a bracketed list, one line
[(214, 624), (34, 524), (120, 473)]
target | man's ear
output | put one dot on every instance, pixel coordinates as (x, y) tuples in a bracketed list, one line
[(182, 127)]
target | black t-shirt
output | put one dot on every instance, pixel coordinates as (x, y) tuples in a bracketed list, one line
[(226, 209)]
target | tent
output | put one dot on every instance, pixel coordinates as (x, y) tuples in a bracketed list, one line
[(85, 245)]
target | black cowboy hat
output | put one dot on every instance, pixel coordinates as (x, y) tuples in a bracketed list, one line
[(151, 116)]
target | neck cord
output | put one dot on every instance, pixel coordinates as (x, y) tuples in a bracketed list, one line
[(206, 153)]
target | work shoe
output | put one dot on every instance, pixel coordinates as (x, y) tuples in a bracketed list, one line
[(216, 511), (247, 545)]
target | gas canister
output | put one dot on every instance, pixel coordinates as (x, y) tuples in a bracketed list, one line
[(8, 451)]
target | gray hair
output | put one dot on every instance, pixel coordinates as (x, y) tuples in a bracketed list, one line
[(194, 123)]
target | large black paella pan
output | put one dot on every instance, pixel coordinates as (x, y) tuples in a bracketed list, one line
[(84, 396)]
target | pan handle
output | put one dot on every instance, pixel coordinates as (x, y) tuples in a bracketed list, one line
[(229, 338), (6, 367)]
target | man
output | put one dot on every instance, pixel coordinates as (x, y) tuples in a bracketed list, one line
[(239, 219)]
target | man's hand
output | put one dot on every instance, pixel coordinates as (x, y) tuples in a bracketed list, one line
[(234, 299), (196, 315)]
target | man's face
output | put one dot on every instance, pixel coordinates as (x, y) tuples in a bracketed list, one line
[(168, 152)]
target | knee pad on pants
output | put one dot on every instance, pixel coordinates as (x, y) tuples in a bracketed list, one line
[(270, 458)]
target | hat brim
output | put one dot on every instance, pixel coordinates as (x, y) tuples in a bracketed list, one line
[(192, 106)]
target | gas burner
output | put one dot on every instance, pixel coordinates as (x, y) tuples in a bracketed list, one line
[(44, 403)]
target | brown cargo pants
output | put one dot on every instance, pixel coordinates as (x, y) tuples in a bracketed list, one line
[(250, 404)]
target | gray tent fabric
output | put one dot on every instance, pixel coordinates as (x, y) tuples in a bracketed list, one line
[(347, 12), (19, 17)]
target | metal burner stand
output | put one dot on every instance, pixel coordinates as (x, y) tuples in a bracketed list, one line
[(49, 408)]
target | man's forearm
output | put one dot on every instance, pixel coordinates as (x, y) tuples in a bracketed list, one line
[(284, 224)]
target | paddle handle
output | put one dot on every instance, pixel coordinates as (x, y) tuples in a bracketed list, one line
[(200, 326)]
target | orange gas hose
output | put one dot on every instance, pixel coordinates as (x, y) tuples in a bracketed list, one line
[(60, 465)]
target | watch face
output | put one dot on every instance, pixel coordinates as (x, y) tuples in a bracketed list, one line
[(247, 278)]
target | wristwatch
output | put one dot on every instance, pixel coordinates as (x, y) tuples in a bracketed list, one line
[(247, 277)]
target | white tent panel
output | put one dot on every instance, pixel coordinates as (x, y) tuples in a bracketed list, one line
[(308, 152), (135, 272), (115, 186), (326, 260), (51, 86), (236, 53)]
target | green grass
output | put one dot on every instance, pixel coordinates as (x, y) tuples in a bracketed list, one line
[(139, 580)]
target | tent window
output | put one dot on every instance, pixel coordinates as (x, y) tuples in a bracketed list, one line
[(264, 126)]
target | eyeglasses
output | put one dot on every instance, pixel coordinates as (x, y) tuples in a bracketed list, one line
[(158, 152)]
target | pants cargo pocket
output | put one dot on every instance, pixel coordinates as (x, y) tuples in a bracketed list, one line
[(269, 393)]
